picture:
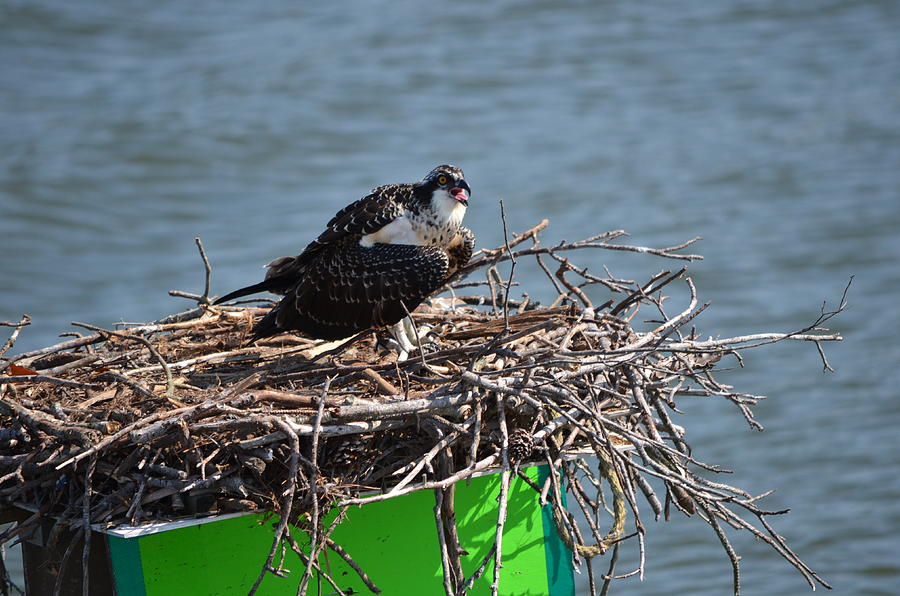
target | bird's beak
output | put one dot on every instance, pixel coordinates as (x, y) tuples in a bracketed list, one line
[(460, 192)]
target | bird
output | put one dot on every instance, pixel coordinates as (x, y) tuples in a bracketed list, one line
[(377, 260)]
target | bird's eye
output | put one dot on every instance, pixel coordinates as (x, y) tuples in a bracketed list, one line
[(442, 180)]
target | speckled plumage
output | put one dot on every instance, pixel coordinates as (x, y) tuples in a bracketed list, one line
[(390, 249)]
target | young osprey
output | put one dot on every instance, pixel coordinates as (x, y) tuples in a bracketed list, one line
[(389, 250)]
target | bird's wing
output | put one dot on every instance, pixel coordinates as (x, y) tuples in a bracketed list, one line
[(460, 249), (357, 288), (365, 216)]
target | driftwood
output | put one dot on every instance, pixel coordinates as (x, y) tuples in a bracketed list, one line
[(180, 417)]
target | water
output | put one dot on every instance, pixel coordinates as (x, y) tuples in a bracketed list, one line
[(768, 128)]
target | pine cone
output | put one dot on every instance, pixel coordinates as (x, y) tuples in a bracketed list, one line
[(349, 452), (521, 444)]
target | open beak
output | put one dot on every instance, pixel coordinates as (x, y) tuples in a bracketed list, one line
[(460, 192)]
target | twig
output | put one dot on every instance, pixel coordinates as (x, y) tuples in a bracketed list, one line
[(729, 550), (449, 579), (63, 345), (383, 386), (478, 572), (63, 563), (504, 489), (475, 468), (564, 266), (353, 564), (86, 526), (17, 327), (495, 257), (448, 514), (48, 379), (208, 271), (512, 268), (286, 505), (314, 489), (312, 563), (170, 383)]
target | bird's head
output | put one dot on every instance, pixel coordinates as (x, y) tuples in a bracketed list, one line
[(449, 181)]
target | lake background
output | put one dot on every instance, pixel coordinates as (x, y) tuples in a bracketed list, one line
[(771, 129)]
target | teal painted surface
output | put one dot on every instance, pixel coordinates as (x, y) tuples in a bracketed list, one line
[(128, 572), (560, 576)]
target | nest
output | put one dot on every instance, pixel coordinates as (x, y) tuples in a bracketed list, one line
[(181, 418)]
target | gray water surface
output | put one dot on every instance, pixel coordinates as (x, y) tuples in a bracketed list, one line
[(772, 129)]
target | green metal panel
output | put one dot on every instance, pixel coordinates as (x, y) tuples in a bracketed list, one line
[(223, 557), (524, 566), (128, 573), (395, 541)]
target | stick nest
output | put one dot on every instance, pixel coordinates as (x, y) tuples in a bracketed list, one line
[(181, 418)]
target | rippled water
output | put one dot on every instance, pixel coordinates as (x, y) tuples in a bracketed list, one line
[(769, 128)]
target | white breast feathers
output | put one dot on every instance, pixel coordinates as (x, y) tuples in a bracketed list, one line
[(399, 231)]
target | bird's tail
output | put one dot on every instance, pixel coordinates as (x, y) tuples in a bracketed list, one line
[(263, 286), (265, 327)]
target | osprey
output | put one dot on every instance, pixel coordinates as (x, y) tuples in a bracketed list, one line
[(377, 259)]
